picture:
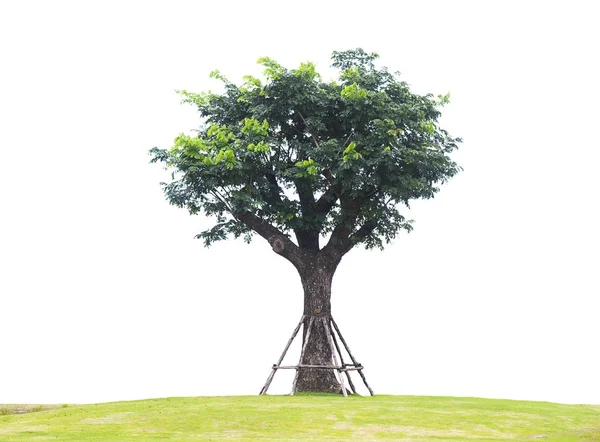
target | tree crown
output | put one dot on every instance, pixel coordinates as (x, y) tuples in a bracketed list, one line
[(293, 153)]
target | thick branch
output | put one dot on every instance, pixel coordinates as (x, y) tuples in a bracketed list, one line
[(306, 196), (343, 229), (327, 174), (359, 236), (344, 241), (308, 238), (326, 202), (274, 195), (280, 243)]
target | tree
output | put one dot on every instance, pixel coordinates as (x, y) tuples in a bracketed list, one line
[(315, 168)]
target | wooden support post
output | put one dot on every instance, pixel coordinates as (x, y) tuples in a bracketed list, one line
[(270, 378), (308, 329), (337, 346), (331, 346), (352, 357), (342, 368), (323, 367)]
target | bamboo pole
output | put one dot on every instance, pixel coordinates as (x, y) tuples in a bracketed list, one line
[(293, 367), (356, 364), (270, 378), (322, 367), (331, 346), (310, 324), (337, 346)]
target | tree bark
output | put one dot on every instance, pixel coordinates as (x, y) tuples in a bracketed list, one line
[(316, 274), (316, 268)]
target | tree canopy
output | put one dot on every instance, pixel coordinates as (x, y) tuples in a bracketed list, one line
[(293, 153)]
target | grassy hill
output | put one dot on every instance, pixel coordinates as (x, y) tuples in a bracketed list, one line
[(306, 418)]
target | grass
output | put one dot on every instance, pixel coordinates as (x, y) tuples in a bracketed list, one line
[(305, 418), (25, 408)]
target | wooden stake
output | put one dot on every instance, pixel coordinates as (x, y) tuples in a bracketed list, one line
[(330, 341), (352, 357), (324, 367), (310, 324), (337, 346), (270, 378)]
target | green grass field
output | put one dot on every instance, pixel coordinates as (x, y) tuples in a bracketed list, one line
[(306, 418)]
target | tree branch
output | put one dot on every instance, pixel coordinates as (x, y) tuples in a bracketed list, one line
[(220, 197), (343, 229), (365, 230), (280, 243), (342, 241), (311, 134), (327, 174), (308, 237), (305, 196), (274, 189), (374, 192), (326, 201)]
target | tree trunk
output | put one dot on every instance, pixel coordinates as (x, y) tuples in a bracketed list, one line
[(316, 275)]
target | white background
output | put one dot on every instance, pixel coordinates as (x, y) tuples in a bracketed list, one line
[(105, 295)]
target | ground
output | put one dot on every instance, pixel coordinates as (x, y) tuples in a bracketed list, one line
[(305, 418)]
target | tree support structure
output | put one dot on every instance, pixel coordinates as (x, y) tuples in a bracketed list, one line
[(342, 368)]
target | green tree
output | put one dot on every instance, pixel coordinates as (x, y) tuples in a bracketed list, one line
[(315, 168)]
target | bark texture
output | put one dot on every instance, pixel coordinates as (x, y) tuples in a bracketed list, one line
[(316, 268), (316, 274)]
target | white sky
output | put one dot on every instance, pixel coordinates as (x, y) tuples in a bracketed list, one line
[(105, 295)]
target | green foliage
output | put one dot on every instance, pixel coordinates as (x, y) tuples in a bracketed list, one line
[(311, 157), (307, 168), (350, 153), (353, 92)]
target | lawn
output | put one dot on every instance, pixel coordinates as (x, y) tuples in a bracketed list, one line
[(306, 418)]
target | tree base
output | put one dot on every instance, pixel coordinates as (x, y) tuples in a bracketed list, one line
[(309, 377), (312, 380)]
